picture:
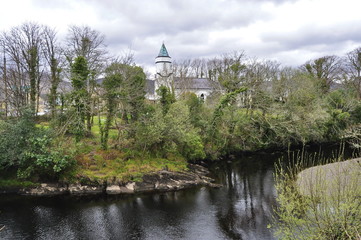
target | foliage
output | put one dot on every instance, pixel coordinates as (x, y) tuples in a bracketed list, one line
[(79, 77), (166, 98), (13, 139), (111, 86), (29, 149), (170, 133), (39, 159)]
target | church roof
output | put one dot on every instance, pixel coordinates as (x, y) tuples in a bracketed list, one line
[(163, 51), (194, 83)]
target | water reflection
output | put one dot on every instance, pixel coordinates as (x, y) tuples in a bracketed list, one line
[(240, 210), (244, 209)]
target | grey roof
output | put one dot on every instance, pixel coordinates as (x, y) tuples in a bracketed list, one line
[(163, 51), (194, 83)]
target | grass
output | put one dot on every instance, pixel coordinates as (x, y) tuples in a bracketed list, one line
[(113, 164), (14, 183)]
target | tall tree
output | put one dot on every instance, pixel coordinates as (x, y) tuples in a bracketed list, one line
[(23, 48), (79, 76), (111, 86), (53, 56), (88, 43), (352, 69), (229, 70), (325, 70)]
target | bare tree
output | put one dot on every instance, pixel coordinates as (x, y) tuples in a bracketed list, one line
[(325, 69), (53, 56), (352, 69), (3, 85), (23, 48), (89, 43)]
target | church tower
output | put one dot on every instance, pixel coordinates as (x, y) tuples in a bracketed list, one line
[(163, 65)]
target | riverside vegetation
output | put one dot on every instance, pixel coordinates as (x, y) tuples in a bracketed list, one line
[(319, 202), (99, 131)]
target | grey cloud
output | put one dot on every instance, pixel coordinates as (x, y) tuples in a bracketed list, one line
[(312, 35), (185, 26)]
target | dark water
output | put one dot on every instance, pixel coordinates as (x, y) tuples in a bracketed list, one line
[(242, 209)]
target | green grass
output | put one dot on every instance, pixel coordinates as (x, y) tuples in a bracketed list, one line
[(14, 183), (113, 164)]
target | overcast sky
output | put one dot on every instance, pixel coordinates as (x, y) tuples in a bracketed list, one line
[(290, 32)]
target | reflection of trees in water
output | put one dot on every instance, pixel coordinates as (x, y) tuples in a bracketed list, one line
[(246, 206)]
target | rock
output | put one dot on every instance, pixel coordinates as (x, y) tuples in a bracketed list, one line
[(126, 190), (144, 186), (113, 189), (159, 181), (130, 186), (45, 189), (78, 189)]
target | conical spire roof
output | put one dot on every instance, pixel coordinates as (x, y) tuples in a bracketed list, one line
[(163, 51)]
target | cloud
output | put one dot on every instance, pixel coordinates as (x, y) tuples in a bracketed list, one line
[(290, 31)]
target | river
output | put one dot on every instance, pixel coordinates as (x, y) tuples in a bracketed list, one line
[(241, 209)]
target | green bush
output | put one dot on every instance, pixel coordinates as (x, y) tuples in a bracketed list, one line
[(42, 159), (171, 133), (27, 148)]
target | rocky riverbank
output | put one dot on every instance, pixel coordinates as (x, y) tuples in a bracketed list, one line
[(159, 181)]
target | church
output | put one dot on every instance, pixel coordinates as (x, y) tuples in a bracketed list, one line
[(202, 87)]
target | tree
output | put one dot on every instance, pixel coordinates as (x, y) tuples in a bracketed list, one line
[(79, 77), (23, 46), (111, 85), (228, 70), (166, 98), (53, 55), (352, 69), (171, 133), (133, 90), (259, 79), (124, 94), (325, 69), (88, 43)]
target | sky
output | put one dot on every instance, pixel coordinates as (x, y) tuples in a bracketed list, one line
[(288, 31)]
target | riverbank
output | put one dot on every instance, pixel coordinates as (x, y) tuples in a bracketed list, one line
[(163, 180)]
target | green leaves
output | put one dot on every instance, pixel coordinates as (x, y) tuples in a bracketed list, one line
[(42, 159), (170, 133), (29, 149)]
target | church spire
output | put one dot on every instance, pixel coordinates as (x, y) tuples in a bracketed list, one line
[(163, 51)]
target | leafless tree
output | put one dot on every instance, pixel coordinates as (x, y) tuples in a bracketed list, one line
[(325, 69), (89, 43), (53, 54), (23, 49), (352, 69)]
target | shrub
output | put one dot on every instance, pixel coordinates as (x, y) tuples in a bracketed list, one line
[(27, 148)]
